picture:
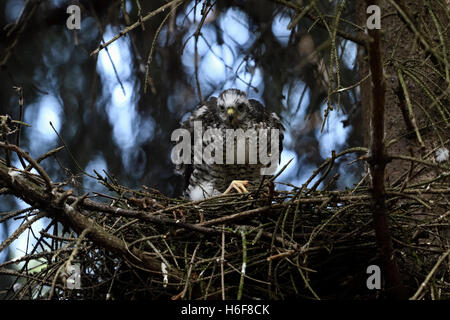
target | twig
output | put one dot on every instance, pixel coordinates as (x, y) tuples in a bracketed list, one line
[(237, 216), (19, 127), (412, 118), (405, 14), (150, 55), (244, 264), (35, 165), (427, 279), (305, 280), (135, 25), (222, 260), (145, 216), (99, 26), (69, 152), (20, 230), (44, 156), (196, 58), (358, 39), (182, 294), (68, 262)]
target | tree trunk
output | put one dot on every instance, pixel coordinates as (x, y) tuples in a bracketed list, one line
[(414, 98)]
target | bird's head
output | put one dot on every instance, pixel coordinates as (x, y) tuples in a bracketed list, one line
[(232, 105)]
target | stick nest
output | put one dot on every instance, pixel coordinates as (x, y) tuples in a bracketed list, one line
[(302, 243)]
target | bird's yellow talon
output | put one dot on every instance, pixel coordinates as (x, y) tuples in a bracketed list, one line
[(238, 185)]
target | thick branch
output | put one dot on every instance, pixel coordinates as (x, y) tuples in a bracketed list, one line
[(70, 216), (378, 161)]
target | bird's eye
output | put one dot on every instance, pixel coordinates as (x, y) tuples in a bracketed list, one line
[(241, 107), (221, 107)]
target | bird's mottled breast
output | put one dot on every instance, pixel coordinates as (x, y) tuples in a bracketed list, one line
[(218, 175)]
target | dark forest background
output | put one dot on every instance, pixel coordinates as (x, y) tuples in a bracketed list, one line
[(111, 120)]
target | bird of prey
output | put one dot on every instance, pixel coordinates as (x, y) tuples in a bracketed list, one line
[(230, 113)]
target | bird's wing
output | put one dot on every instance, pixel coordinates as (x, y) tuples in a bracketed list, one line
[(272, 120), (205, 113)]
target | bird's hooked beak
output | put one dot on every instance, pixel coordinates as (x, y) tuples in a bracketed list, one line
[(231, 115)]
